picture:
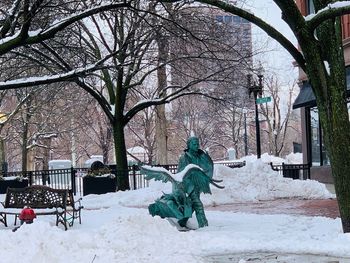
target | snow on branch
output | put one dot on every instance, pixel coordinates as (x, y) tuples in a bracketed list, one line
[(49, 79), (19, 39), (332, 10)]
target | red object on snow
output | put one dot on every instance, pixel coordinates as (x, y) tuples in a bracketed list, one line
[(27, 215)]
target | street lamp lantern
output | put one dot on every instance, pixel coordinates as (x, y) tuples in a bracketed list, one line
[(256, 89)]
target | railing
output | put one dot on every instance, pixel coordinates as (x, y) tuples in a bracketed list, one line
[(294, 171), (232, 164), (72, 178), (58, 179), (138, 180)]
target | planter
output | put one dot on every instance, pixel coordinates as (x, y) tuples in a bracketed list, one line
[(99, 185), (4, 184)]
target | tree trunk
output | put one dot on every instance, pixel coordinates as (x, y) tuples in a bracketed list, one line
[(161, 122), (161, 136), (335, 127), (339, 145), (120, 156), (106, 144), (2, 155), (46, 154), (30, 160), (73, 149), (24, 148), (329, 86)]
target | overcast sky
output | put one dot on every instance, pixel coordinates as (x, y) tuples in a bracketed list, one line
[(278, 60)]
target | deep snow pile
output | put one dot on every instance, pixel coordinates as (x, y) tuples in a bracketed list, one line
[(253, 182)]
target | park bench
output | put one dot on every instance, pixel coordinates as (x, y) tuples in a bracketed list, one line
[(44, 200), (74, 209)]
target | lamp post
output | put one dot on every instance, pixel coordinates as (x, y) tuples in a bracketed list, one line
[(256, 89), (245, 135)]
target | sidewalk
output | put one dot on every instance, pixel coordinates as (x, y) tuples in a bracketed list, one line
[(317, 207), (324, 207), (327, 208)]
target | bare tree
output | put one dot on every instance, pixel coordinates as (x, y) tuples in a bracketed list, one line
[(44, 118), (97, 132), (141, 128), (278, 115), (125, 58)]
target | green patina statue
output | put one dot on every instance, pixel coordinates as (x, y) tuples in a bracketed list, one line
[(195, 173)]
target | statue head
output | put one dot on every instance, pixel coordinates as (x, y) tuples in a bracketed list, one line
[(193, 143)]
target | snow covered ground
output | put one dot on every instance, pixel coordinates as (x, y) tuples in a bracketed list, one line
[(116, 227)]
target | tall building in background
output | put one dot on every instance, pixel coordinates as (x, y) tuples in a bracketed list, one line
[(218, 54), (217, 41)]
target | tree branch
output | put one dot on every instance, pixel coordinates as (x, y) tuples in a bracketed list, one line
[(271, 31), (331, 11), (34, 81), (38, 36)]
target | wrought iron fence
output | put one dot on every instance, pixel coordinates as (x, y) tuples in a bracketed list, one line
[(72, 178), (294, 171), (58, 178)]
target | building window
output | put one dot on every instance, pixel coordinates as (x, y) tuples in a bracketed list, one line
[(228, 19), (310, 7), (347, 70), (236, 19), (220, 19), (318, 151), (315, 137)]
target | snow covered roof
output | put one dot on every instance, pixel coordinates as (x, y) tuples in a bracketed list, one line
[(136, 149)]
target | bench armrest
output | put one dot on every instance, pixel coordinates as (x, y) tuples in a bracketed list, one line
[(77, 204)]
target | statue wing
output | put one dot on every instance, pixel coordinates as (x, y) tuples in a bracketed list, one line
[(194, 177), (157, 173)]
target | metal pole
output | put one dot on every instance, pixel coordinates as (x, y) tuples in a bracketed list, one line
[(134, 175), (73, 174), (245, 135), (257, 126), (256, 89)]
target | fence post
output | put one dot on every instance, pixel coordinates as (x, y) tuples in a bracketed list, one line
[(44, 176), (308, 171), (30, 174), (134, 175), (73, 173)]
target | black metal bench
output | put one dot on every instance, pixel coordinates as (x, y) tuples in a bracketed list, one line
[(44, 200), (74, 208), (294, 171)]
